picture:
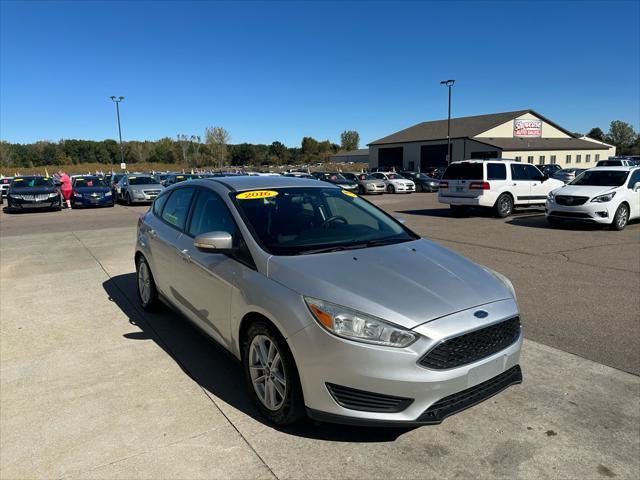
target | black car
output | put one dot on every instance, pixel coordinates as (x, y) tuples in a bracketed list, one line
[(424, 183), (91, 191), (179, 177), (33, 193), (337, 179), (549, 168)]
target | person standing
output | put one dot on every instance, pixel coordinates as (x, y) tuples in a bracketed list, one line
[(65, 187)]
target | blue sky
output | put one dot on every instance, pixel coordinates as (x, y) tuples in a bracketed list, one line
[(279, 71)]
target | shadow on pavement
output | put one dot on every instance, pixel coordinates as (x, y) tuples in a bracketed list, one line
[(472, 212), (216, 370), (539, 221)]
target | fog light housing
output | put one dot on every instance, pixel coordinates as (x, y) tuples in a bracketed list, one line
[(603, 214)]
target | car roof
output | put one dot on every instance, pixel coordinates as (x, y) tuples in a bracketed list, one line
[(614, 167), (500, 160), (241, 183)]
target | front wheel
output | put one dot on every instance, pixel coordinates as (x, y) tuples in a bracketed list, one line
[(127, 199), (391, 189), (419, 188), (360, 190), (504, 205), (147, 291), (621, 218), (272, 376)]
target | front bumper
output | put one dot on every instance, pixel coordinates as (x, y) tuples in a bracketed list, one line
[(20, 204), (372, 188), (587, 212), (401, 188), (323, 358), (142, 197), (89, 201)]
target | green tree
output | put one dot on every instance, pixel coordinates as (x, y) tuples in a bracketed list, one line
[(622, 135), (279, 151), (218, 138), (309, 146), (349, 140), (596, 133)]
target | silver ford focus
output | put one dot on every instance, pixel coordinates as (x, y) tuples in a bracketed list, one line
[(335, 310)]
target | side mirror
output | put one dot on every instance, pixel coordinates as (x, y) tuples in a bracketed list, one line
[(214, 242), (636, 186), (545, 176)]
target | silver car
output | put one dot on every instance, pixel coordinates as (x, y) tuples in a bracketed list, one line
[(137, 188), (367, 183), (567, 174), (286, 274)]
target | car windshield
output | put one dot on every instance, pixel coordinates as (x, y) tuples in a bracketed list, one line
[(186, 176), (31, 182), (604, 178), (422, 176), (89, 182), (609, 163), (142, 180), (116, 178), (364, 176), (334, 177), (303, 220), (463, 171), (394, 176)]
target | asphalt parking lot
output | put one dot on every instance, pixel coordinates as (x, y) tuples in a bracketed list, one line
[(93, 387)]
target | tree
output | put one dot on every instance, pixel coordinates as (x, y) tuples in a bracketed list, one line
[(218, 138), (309, 146), (596, 133), (621, 135), (349, 140), (183, 142), (279, 151)]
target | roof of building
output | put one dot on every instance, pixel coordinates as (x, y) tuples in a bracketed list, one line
[(350, 153), (523, 144), (460, 127)]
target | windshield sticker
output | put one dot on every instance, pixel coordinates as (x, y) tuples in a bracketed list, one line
[(256, 194), (349, 194), (132, 178), (18, 179)]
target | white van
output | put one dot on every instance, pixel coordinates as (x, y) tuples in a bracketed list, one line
[(498, 184)]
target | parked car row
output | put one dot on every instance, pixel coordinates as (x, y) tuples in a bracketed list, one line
[(603, 194)]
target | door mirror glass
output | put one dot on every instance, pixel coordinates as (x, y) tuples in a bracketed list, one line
[(214, 242)]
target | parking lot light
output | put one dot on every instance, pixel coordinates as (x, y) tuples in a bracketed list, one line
[(117, 101), (448, 84)]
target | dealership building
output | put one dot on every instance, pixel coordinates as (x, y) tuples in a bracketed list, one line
[(524, 136)]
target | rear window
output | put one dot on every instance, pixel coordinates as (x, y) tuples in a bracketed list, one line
[(496, 171), (463, 171)]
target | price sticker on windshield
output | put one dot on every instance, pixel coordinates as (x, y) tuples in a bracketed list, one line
[(256, 194), (349, 194)]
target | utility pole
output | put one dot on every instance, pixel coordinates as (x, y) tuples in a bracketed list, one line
[(448, 84), (117, 101)]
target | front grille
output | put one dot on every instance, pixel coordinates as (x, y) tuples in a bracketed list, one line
[(33, 198), (472, 346), (152, 192), (471, 396), (367, 401), (568, 200), (569, 214)]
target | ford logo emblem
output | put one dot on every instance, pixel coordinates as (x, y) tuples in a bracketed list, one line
[(481, 314)]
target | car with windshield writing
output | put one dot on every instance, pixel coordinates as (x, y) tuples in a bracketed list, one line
[(604, 195), (367, 183), (179, 177), (337, 179), (91, 191), (33, 193), (395, 183), (139, 188), (335, 310)]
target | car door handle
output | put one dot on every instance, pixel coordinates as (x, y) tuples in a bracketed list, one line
[(152, 233), (184, 254)]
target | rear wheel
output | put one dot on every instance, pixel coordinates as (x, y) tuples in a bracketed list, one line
[(504, 205), (271, 375), (147, 291), (621, 218)]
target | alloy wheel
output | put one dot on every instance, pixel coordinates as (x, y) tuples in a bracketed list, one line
[(622, 216), (144, 282), (268, 376)]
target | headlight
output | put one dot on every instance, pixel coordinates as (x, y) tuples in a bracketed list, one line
[(604, 198), (138, 194), (76, 194), (108, 194), (506, 282), (53, 195), (551, 197), (346, 323)]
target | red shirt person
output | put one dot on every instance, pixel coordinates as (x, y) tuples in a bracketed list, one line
[(65, 187)]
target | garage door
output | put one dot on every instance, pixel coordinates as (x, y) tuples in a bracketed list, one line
[(433, 156), (390, 157)]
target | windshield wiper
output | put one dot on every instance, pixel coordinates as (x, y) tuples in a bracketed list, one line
[(338, 248), (386, 241)]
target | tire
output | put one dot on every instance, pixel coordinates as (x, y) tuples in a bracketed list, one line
[(127, 199), (419, 188), (279, 398), (148, 299), (391, 189), (504, 206), (360, 190), (621, 218), (458, 210)]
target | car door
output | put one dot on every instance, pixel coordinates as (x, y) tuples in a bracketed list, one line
[(520, 183), (539, 190), (634, 196), (207, 280), (165, 240)]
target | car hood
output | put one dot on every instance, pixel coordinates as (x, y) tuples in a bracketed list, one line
[(92, 189), (408, 283), (373, 182), (32, 191), (582, 190), (343, 182), (403, 181), (151, 186)]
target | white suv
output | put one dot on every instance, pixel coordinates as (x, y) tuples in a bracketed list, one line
[(498, 184), (606, 195)]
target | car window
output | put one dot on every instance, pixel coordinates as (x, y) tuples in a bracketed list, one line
[(496, 171), (532, 172), (177, 207), (635, 177), (518, 172), (210, 214), (463, 171), (158, 203)]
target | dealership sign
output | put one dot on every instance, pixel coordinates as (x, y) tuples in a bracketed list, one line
[(527, 128)]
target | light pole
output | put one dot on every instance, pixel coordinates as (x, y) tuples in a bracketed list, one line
[(448, 84), (117, 101)]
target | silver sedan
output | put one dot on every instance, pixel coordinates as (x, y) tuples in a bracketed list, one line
[(137, 188), (286, 274)]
